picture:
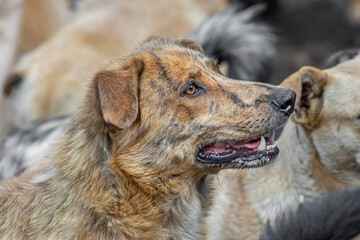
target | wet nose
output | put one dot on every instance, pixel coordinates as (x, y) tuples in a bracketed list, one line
[(283, 100)]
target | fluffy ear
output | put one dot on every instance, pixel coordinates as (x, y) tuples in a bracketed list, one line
[(308, 83), (190, 44), (118, 92)]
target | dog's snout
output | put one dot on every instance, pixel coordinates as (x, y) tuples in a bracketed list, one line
[(283, 100)]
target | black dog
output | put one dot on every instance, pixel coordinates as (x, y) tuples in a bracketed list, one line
[(334, 216)]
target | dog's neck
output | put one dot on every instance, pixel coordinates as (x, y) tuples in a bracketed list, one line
[(177, 204), (296, 157), (154, 207), (289, 180)]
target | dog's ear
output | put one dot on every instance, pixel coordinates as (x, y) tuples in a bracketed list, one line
[(190, 44), (308, 83), (293, 82), (118, 92)]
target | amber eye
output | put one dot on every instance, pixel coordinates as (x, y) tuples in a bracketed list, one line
[(191, 90)]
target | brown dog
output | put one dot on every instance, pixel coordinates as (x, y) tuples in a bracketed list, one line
[(138, 159), (320, 151)]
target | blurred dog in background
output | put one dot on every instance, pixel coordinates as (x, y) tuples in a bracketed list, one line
[(319, 152), (334, 216), (31, 23), (28, 145), (310, 31)]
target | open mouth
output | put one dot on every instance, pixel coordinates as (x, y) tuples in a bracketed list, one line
[(255, 153)]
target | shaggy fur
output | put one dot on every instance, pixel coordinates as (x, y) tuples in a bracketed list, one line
[(319, 152), (227, 36), (26, 146), (335, 216), (128, 167)]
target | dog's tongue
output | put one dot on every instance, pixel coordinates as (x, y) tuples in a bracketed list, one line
[(250, 145), (253, 144), (222, 149)]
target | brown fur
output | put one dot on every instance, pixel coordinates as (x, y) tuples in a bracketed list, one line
[(40, 20), (354, 10), (127, 167), (319, 151), (321, 175)]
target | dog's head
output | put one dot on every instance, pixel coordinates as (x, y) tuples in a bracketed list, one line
[(168, 104), (328, 108)]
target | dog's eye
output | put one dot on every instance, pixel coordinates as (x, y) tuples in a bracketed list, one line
[(12, 83), (358, 117), (191, 89)]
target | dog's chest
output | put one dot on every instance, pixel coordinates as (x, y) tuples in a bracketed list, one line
[(278, 193)]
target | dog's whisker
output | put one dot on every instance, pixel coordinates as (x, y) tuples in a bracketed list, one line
[(219, 183)]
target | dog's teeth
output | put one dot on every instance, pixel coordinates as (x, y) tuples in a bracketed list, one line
[(262, 145), (227, 146), (272, 135)]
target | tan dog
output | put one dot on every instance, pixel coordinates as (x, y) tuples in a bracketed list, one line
[(56, 73), (24, 25), (320, 151), (138, 159), (40, 20)]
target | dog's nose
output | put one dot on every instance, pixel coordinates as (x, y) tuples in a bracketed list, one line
[(283, 100)]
